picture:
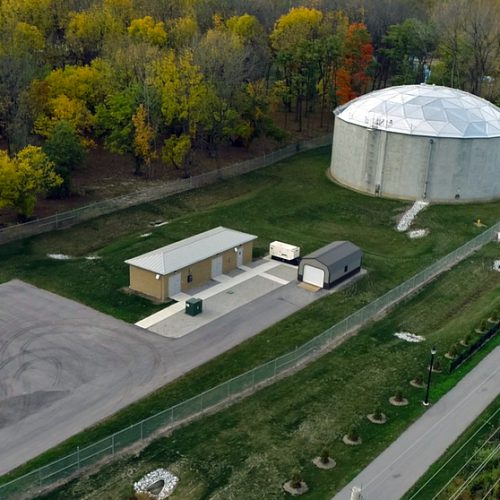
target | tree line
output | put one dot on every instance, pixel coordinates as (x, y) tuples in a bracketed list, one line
[(157, 79)]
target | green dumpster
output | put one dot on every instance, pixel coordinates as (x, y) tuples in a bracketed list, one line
[(194, 306)]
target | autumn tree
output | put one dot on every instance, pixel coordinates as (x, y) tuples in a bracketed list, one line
[(331, 49), (147, 30), (353, 77), (183, 92), (253, 38), (71, 94), (183, 32), (294, 42), (144, 135), (24, 177)]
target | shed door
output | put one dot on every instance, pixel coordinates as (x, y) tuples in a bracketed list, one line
[(216, 266), (174, 284), (313, 276)]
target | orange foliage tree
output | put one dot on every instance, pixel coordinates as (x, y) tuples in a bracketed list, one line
[(353, 77)]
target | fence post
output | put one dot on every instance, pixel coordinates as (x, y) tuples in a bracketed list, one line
[(142, 430), (78, 457), (113, 444)]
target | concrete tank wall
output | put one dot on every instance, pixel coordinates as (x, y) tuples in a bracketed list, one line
[(415, 167)]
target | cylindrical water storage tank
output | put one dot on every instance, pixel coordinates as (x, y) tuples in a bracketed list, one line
[(419, 142)]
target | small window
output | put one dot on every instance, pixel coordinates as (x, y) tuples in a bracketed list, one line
[(189, 278), (346, 268)]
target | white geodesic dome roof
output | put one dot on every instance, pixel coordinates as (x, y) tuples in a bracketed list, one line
[(427, 110)]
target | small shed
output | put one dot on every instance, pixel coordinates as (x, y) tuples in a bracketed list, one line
[(189, 263), (330, 264)]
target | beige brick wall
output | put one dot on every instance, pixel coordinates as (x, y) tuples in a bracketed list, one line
[(145, 282)]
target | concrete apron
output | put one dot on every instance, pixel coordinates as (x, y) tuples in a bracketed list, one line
[(223, 296)]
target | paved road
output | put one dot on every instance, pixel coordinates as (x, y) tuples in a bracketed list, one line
[(64, 366), (399, 467)]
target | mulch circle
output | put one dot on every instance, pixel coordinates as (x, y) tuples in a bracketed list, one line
[(295, 491), (416, 384), (373, 420), (395, 402), (321, 465), (350, 442)]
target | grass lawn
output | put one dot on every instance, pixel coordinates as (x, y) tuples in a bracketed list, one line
[(250, 449), (292, 201), (453, 460)]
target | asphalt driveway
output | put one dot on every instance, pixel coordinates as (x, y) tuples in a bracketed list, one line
[(65, 366)]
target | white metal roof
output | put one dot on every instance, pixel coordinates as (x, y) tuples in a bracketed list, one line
[(427, 110), (186, 252)]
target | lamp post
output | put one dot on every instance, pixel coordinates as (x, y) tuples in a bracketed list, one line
[(426, 400)]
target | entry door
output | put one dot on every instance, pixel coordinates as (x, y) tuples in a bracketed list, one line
[(174, 284), (216, 266), (239, 257), (314, 276)]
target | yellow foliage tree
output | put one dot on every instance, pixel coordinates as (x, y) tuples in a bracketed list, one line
[(246, 27), (71, 94), (27, 38), (70, 110), (24, 177), (143, 139), (300, 24), (176, 149), (183, 95), (182, 31), (146, 30)]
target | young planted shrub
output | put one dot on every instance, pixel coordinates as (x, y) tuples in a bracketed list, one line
[(353, 434), (453, 351), (398, 395), (324, 456), (296, 479), (377, 414), (437, 366), (467, 340)]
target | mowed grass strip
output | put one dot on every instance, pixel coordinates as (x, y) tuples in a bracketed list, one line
[(293, 201), (250, 449), (452, 461)]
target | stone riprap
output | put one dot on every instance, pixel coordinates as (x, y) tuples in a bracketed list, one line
[(409, 215), (169, 483)]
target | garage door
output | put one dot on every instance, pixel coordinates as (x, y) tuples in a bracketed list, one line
[(313, 276)]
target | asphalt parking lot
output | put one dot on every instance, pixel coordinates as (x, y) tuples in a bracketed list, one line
[(65, 366)]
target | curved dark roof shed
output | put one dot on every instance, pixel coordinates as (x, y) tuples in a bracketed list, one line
[(330, 264)]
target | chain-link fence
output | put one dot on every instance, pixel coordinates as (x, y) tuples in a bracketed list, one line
[(66, 219), (221, 394)]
